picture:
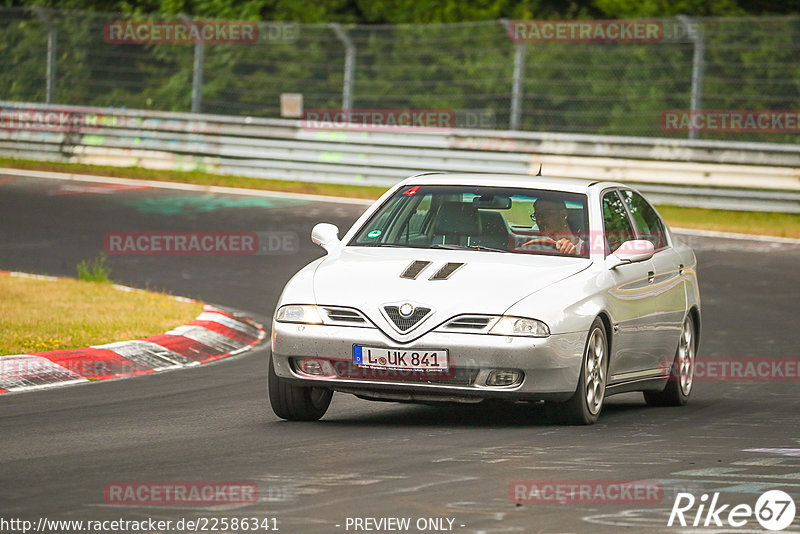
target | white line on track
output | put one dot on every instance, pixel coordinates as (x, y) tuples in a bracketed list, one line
[(316, 198), (182, 187)]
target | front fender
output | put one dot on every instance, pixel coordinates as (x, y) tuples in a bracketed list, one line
[(566, 306)]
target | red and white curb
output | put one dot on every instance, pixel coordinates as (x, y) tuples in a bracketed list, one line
[(213, 335)]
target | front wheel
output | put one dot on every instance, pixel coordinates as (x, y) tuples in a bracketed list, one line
[(681, 372), (296, 403), (584, 407)]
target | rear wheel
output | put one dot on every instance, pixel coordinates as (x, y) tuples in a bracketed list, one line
[(296, 403), (584, 407), (681, 372)]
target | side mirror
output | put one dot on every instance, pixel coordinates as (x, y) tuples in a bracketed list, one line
[(325, 235), (632, 251)]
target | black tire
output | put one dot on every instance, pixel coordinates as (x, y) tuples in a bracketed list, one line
[(296, 403), (678, 389), (580, 409)]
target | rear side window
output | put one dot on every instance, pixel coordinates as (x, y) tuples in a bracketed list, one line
[(616, 224), (647, 221)]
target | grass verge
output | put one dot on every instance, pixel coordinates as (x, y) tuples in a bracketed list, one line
[(745, 222), (199, 178), (39, 315)]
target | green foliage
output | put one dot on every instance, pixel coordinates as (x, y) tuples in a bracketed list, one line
[(94, 269), (420, 11), (597, 88)]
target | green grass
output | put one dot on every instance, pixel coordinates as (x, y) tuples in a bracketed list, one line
[(40, 315), (95, 269), (763, 223), (745, 222), (200, 178)]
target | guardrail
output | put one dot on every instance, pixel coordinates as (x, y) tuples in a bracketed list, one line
[(712, 174)]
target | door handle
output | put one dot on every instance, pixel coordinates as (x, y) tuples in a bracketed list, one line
[(651, 275)]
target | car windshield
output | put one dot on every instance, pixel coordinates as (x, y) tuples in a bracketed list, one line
[(489, 219)]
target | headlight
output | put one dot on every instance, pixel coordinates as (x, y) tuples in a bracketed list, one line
[(519, 326), (298, 313)]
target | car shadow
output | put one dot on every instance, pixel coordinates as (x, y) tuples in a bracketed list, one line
[(485, 414), (627, 409)]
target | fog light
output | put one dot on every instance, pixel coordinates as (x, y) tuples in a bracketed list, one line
[(311, 367), (503, 377)]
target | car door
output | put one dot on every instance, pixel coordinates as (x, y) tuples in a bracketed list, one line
[(629, 296), (669, 293)]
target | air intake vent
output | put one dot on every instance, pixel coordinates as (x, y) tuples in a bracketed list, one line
[(469, 322), (404, 324), (446, 271), (414, 268), (344, 315)]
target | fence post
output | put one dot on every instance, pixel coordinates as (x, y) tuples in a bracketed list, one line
[(516, 80), (516, 86), (52, 42), (197, 72), (197, 77), (349, 64), (695, 33)]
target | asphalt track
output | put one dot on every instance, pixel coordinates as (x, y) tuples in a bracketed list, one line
[(60, 447)]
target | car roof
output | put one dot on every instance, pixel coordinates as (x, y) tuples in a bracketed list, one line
[(570, 185)]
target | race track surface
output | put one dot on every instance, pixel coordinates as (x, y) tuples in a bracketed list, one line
[(61, 447)]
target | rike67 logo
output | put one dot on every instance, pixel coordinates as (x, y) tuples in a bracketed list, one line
[(774, 510)]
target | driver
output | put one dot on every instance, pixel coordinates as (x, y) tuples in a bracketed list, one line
[(551, 219)]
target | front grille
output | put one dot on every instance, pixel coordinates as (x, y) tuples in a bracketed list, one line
[(446, 271), (455, 376), (344, 315), (469, 322), (415, 267), (404, 324)]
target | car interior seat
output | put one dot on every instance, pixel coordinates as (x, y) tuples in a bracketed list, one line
[(494, 230), (456, 223)]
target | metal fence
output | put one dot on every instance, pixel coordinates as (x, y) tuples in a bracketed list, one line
[(618, 88), (710, 174)]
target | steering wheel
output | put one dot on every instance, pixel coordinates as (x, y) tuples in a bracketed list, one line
[(542, 240)]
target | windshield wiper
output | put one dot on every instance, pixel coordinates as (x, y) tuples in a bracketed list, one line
[(453, 246), (393, 245)]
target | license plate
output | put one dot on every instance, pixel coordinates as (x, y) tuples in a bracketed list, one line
[(386, 358)]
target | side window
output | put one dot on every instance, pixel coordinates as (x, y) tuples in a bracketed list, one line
[(616, 224), (378, 227), (417, 219), (646, 219)]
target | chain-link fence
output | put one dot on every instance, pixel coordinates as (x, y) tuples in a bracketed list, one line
[(617, 88)]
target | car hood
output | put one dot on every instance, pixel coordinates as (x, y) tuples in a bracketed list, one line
[(368, 278)]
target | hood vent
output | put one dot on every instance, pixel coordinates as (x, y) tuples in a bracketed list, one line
[(404, 324), (446, 271), (414, 268)]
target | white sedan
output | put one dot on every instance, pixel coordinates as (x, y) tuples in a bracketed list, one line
[(465, 287)]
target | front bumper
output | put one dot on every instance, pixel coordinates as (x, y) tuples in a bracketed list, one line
[(550, 366)]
